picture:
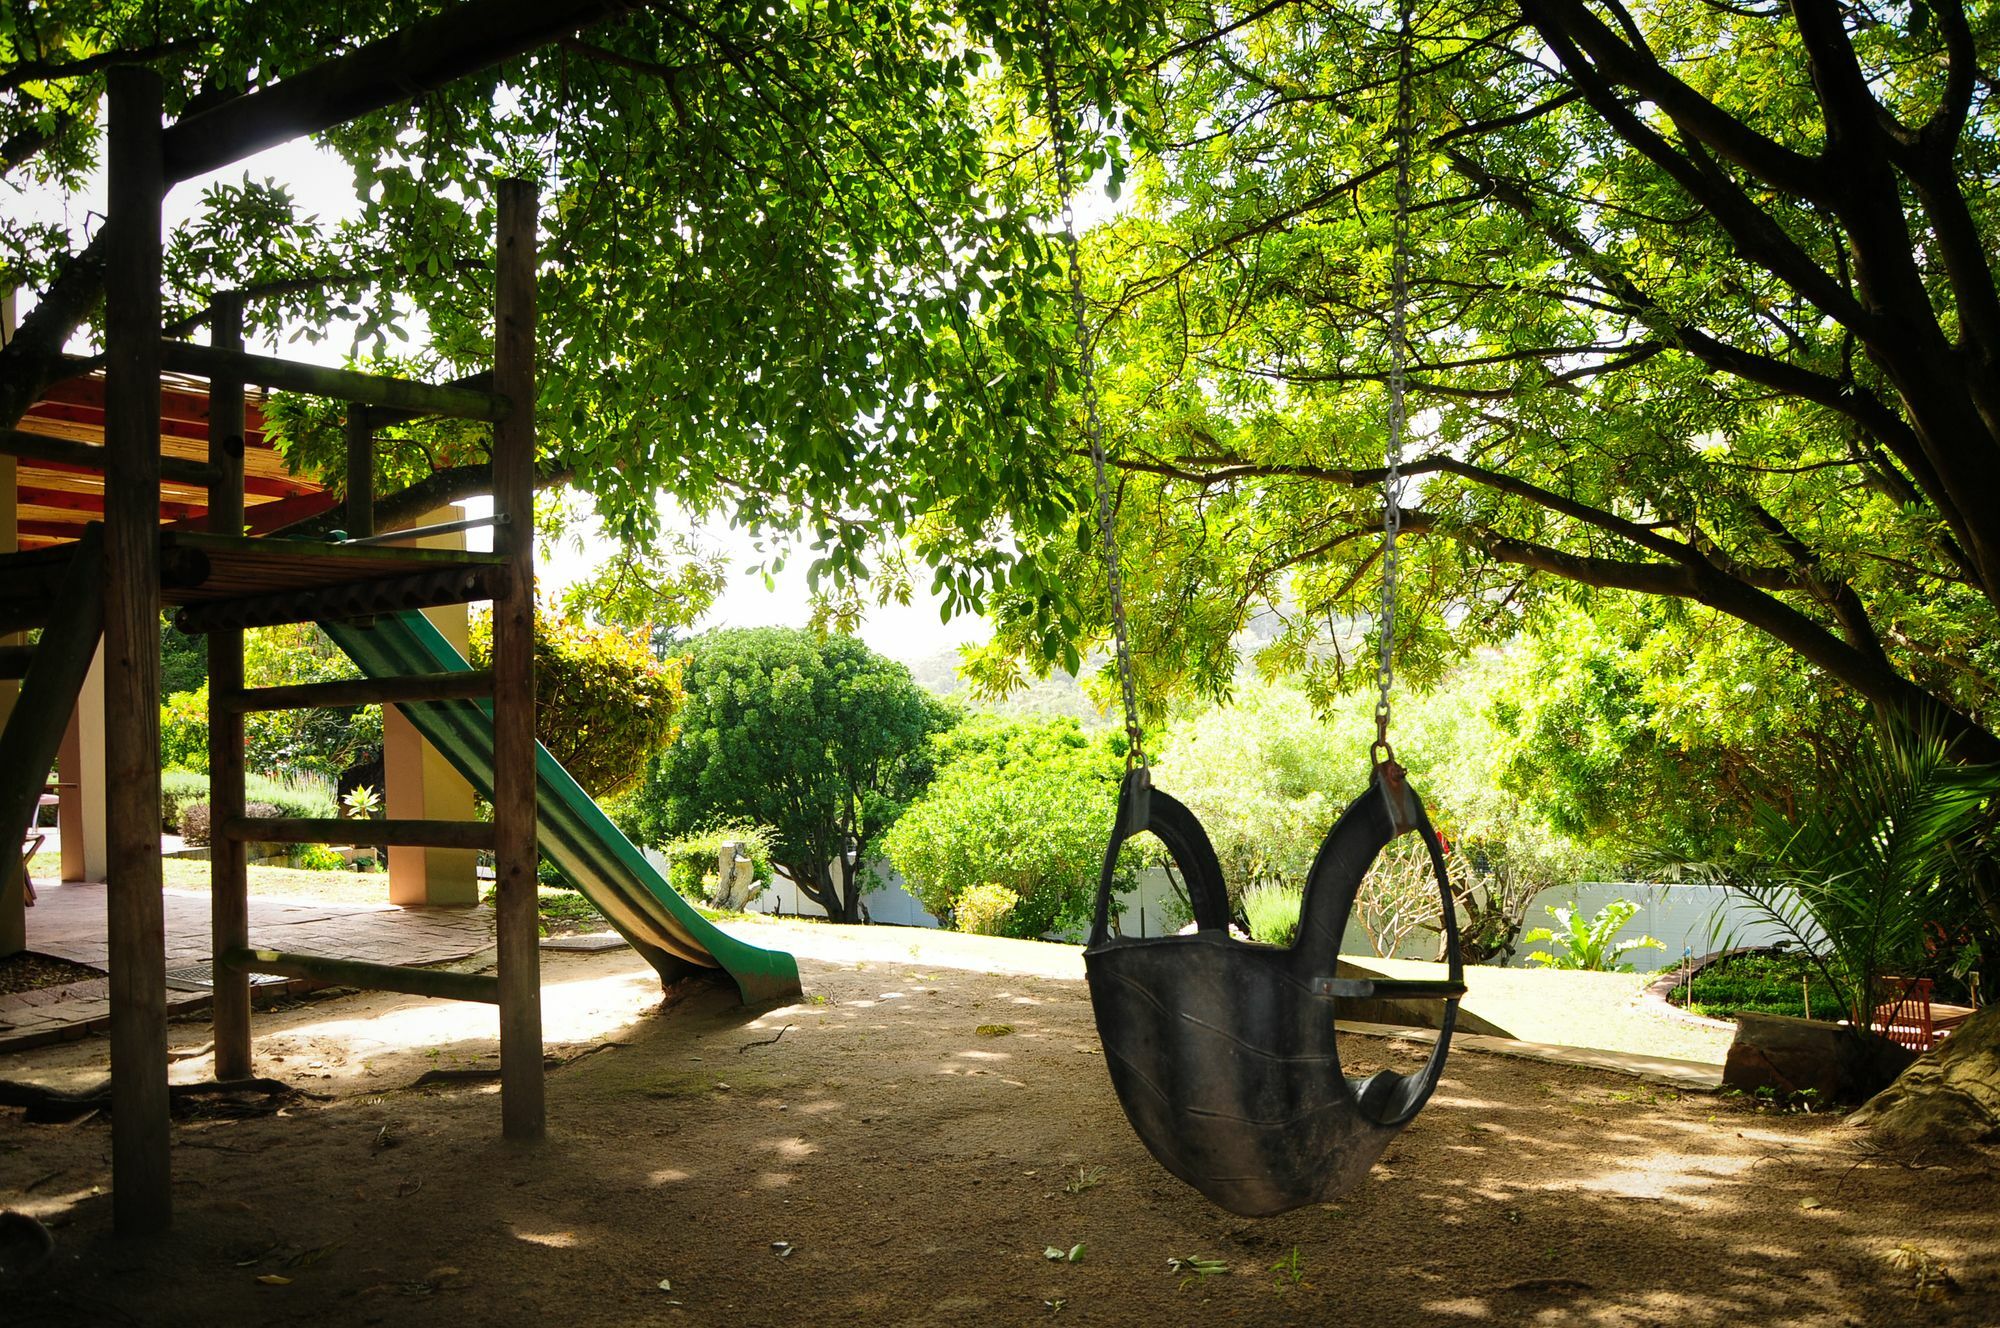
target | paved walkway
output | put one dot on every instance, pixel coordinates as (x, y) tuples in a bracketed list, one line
[(1668, 1071), (68, 922)]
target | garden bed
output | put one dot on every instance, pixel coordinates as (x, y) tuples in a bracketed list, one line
[(1755, 981)]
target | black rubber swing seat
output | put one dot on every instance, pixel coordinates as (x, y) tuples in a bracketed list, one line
[(1223, 1052)]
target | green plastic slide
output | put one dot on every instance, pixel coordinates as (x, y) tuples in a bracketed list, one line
[(574, 833)]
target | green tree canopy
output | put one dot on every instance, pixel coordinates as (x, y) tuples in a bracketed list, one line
[(1020, 804), (786, 259), (1702, 307), (816, 736)]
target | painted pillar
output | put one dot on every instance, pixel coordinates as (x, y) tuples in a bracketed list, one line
[(420, 784), (85, 855)]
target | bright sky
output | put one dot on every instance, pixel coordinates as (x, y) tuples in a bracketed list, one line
[(322, 185)]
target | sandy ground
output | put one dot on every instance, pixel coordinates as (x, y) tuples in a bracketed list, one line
[(869, 1156)]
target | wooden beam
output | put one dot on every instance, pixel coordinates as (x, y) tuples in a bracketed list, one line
[(463, 685), (340, 830), (14, 661), (142, 1185), (337, 384), (353, 599), (476, 382), (360, 472), (240, 961), (516, 921), (52, 675), (417, 58), (228, 859), (92, 504), (88, 456)]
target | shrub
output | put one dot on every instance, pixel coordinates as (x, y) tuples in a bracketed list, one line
[(691, 859), (194, 823), (624, 812), (1766, 984), (603, 703), (1272, 910), (316, 857), (195, 827), (982, 909), (179, 787), (1021, 804), (184, 730), (306, 794)]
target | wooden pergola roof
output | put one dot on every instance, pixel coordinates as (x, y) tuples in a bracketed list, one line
[(56, 499)]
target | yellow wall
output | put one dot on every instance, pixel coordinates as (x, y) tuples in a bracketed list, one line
[(421, 784)]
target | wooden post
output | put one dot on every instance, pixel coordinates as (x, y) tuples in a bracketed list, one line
[(228, 859), (142, 1193), (521, 1106), (360, 472)]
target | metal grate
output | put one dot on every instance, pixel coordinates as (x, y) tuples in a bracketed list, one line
[(201, 977)]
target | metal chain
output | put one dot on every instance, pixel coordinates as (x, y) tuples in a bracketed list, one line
[(1399, 354), (1107, 533)]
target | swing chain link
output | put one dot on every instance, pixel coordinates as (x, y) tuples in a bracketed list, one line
[(1399, 352), (1107, 532)]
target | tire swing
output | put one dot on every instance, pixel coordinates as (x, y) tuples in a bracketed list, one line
[(1223, 1052)]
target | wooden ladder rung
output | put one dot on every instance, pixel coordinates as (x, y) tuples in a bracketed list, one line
[(351, 599), (359, 831), (461, 685), (483, 987)]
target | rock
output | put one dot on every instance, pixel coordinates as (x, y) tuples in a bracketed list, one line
[(1792, 1057), (25, 1245), (1949, 1097)]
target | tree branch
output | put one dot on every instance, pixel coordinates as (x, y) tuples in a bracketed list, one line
[(1698, 117)]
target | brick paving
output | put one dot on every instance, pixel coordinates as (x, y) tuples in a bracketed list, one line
[(68, 922)]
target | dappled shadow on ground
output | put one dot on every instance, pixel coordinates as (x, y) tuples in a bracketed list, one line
[(905, 1146)]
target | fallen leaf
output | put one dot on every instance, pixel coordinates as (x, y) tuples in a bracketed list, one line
[(274, 1279), (994, 1030), (1809, 1203), (666, 1284)]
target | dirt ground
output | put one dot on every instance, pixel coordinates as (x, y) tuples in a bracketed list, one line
[(871, 1156)]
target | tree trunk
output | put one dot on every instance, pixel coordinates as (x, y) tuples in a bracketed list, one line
[(1949, 1098)]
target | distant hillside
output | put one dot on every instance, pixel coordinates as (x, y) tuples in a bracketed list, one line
[(1059, 694)]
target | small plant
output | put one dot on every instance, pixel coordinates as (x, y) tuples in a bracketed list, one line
[(316, 857), (1290, 1271), (1086, 1178), (361, 803), (178, 788), (1272, 911), (1589, 946), (1194, 1268)]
